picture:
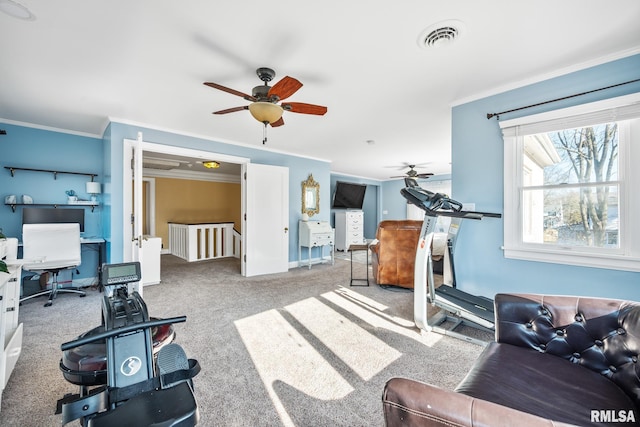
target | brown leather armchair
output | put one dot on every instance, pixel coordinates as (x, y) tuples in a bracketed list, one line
[(393, 256)]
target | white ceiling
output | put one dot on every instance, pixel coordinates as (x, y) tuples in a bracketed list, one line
[(80, 63)]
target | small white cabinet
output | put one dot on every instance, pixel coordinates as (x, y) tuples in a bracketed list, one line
[(349, 229), (313, 234), (10, 330)]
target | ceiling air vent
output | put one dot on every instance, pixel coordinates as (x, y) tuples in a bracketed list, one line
[(441, 34)]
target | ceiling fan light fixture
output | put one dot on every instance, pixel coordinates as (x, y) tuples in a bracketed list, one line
[(212, 164), (265, 112)]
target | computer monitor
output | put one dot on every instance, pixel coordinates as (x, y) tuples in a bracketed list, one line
[(53, 215)]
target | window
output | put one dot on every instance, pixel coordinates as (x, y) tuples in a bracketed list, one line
[(571, 191)]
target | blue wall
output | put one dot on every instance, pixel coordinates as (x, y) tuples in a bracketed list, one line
[(477, 177), (44, 149), (299, 170)]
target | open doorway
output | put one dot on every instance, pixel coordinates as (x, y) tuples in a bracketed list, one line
[(265, 194), (182, 190), (174, 185)]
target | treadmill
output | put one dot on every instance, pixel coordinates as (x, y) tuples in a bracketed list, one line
[(457, 307)]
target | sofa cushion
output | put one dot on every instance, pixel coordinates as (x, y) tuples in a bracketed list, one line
[(597, 333), (542, 384)]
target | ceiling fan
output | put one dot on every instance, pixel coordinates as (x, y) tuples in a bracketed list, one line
[(413, 173), (264, 99)]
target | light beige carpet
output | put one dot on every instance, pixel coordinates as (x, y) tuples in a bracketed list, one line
[(298, 348)]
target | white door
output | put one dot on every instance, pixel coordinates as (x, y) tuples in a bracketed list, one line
[(265, 234)]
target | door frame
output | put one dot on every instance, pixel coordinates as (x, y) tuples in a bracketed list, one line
[(129, 146)]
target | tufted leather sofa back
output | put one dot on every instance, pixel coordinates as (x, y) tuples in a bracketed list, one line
[(600, 334)]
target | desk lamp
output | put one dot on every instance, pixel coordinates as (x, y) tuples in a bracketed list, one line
[(93, 188)]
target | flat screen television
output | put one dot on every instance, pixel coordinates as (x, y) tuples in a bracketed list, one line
[(53, 216), (348, 195)]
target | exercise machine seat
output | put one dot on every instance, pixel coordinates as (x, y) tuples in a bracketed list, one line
[(393, 255)]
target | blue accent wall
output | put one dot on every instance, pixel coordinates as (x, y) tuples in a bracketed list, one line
[(44, 149), (36, 148), (477, 177)]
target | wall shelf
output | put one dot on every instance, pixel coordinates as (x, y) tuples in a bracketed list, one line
[(55, 173), (55, 205)]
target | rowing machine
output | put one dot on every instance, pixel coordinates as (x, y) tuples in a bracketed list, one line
[(143, 384)]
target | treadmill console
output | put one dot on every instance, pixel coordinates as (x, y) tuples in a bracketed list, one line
[(117, 274)]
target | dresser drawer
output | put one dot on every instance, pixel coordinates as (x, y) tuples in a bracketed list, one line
[(353, 218), (322, 240), (355, 238)]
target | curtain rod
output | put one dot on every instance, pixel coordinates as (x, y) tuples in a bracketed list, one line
[(490, 115)]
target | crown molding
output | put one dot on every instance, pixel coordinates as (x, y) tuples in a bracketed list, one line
[(191, 175)]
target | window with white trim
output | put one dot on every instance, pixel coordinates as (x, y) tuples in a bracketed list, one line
[(572, 184)]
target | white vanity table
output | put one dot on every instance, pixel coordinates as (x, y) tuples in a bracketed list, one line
[(313, 234), (10, 330)]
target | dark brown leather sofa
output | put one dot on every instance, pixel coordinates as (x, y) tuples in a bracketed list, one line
[(557, 360), (393, 256)]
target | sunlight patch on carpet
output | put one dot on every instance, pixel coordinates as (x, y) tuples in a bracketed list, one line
[(374, 313), (342, 336), (281, 353)]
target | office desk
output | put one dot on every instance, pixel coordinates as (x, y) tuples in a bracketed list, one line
[(98, 242)]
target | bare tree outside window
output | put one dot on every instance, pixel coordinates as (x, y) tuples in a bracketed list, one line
[(574, 199)]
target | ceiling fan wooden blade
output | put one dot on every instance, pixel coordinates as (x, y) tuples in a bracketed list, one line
[(231, 110), (277, 123), (424, 175), (231, 91), (285, 88), (302, 108)]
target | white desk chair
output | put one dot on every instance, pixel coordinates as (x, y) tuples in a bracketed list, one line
[(51, 248)]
